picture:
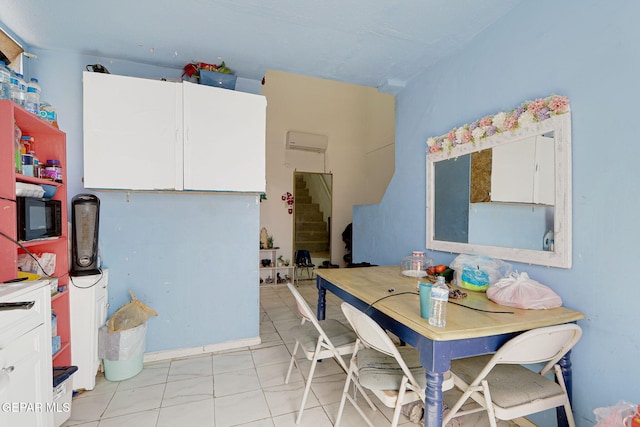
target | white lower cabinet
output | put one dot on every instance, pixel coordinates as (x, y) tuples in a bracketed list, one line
[(88, 300), (25, 358), (144, 134)]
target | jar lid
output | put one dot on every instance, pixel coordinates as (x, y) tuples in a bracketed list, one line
[(53, 162)]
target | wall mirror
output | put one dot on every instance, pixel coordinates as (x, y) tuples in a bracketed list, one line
[(501, 186)]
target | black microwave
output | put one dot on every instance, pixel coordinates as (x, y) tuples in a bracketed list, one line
[(38, 218)]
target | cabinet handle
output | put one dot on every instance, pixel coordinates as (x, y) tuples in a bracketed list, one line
[(26, 305), (8, 369)]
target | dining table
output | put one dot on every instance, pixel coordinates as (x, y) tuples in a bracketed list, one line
[(475, 325)]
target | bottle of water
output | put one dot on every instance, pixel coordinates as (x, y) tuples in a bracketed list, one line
[(438, 304), (5, 81), (22, 94), (14, 88), (32, 103)]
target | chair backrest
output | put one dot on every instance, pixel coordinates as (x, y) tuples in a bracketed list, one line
[(547, 344), (303, 308), (303, 257), (373, 336), (306, 312)]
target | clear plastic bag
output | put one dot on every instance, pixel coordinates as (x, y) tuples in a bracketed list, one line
[(130, 315), (519, 291), (618, 415), (477, 272)]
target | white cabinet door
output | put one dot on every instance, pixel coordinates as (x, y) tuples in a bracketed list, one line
[(224, 131), (132, 133), (22, 361), (88, 306), (523, 171)]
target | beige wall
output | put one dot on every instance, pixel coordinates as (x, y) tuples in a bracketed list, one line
[(359, 122)]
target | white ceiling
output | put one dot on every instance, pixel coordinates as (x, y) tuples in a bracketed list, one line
[(377, 43)]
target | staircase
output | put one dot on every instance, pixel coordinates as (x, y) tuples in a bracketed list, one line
[(311, 230)]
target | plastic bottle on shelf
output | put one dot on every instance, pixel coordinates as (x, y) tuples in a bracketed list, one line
[(32, 100), (22, 93), (438, 303), (5, 81), (14, 88)]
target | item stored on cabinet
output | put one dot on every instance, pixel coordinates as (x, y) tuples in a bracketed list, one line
[(32, 100), (43, 264), (519, 291), (48, 113), (217, 79), (56, 344), (38, 218), (52, 170), (85, 218), (24, 189), (477, 272)]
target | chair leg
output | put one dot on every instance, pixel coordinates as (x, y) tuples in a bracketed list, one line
[(454, 411), (489, 403), (307, 386), (292, 362), (398, 406), (345, 396), (567, 406)]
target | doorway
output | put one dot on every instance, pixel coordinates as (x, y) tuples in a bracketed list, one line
[(312, 201)]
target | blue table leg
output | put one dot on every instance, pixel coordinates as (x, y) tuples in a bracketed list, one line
[(322, 299), (565, 368), (433, 405)]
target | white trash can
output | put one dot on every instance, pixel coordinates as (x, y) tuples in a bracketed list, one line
[(122, 352)]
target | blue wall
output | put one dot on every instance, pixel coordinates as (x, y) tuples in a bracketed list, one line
[(192, 257), (587, 50)]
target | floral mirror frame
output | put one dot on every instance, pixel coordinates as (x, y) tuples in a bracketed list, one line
[(531, 118)]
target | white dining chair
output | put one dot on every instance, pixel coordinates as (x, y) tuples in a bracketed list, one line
[(394, 374), (319, 339), (500, 385)]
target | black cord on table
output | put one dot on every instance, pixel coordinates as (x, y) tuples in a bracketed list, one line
[(389, 296)]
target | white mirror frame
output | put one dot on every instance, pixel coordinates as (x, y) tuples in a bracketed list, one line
[(562, 255)]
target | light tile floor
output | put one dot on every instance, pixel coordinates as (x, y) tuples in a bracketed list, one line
[(242, 387)]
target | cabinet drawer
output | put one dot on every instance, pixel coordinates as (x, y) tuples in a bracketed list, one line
[(17, 322)]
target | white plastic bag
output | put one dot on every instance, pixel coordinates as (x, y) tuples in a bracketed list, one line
[(477, 272), (618, 415), (519, 291), (45, 260)]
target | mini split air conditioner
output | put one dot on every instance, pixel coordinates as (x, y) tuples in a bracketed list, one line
[(307, 142)]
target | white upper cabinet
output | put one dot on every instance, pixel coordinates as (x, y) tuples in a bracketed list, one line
[(143, 134), (523, 171), (224, 139)]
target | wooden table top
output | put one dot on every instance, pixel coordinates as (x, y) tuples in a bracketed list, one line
[(369, 284)]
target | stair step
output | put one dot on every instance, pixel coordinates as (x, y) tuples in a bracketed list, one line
[(311, 225), (307, 235), (303, 199), (313, 246), (308, 217), (307, 207)]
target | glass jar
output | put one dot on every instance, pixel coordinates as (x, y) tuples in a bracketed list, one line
[(52, 170), (416, 265)]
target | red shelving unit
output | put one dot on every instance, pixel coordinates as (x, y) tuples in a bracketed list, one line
[(50, 143)]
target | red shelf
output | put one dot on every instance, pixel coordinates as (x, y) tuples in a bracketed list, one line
[(50, 143)]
